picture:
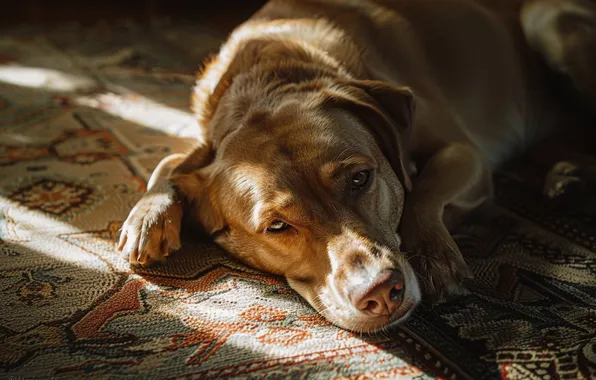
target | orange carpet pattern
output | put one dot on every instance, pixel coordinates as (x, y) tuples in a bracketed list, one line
[(86, 114)]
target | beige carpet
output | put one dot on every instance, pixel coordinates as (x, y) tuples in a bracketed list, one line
[(85, 115)]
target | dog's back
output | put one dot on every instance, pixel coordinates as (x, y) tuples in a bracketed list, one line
[(465, 60)]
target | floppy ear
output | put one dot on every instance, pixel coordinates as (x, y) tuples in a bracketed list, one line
[(190, 180), (386, 111)]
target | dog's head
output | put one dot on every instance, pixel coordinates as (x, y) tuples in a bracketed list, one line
[(310, 185)]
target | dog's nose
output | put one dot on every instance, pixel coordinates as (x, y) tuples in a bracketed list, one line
[(383, 296)]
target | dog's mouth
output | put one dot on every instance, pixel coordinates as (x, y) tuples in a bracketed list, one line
[(373, 325), (371, 316)]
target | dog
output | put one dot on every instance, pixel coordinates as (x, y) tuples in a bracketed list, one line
[(342, 141)]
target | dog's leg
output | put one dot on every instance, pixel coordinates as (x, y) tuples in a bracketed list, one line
[(564, 33), (152, 230), (453, 182)]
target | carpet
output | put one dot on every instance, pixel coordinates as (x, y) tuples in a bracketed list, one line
[(87, 113)]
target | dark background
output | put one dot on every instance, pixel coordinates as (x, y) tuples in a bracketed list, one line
[(219, 14)]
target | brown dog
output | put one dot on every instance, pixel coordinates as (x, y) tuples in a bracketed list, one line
[(331, 125)]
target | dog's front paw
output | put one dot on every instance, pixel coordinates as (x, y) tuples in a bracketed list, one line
[(439, 264), (152, 230)]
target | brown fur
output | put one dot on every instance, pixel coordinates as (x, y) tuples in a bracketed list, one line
[(294, 105)]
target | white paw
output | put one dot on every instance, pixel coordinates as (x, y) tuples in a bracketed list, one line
[(152, 230)]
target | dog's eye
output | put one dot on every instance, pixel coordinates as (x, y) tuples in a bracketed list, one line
[(360, 179), (278, 226)]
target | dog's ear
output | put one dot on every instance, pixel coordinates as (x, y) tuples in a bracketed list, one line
[(386, 111), (191, 179)]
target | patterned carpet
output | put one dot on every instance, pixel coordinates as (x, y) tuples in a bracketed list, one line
[(85, 115)]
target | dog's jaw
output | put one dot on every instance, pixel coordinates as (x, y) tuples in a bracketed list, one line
[(335, 306)]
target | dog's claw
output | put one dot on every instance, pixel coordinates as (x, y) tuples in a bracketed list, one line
[(564, 181), (122, 240)]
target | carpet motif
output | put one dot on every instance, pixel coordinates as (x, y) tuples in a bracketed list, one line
[(85, 116), (53, 196)]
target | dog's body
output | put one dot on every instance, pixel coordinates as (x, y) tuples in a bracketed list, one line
[(309, 96)]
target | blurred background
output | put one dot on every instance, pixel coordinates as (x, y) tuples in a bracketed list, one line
[(222, 14)]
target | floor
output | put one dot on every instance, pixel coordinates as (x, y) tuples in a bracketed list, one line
[(86, 113)]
